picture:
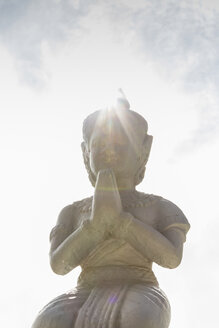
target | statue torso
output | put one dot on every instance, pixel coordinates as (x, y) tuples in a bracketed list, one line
[(116, 253)]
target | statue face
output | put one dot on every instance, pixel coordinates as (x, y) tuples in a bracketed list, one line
[(113, 147)]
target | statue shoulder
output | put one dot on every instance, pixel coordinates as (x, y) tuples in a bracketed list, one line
[(74, 209), (169, 215), (83, 205), (69, 217)]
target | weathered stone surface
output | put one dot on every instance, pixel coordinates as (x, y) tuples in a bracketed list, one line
[(116, 235)]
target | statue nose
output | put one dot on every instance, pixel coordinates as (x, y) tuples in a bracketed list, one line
[(110, 150), (109, 153)]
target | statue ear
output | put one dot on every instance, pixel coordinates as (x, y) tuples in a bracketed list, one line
[(85, 151), (86, 157), (146, 147), (147, 143)]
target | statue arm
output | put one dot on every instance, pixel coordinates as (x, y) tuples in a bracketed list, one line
[(76, 241), (164, 248), (68, 250)]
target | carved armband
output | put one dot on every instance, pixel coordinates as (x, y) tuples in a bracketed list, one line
[(87, 226)]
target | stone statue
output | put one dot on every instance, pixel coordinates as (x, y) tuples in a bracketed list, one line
[(116, 235)]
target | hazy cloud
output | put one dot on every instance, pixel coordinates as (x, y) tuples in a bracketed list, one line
[(181, 38), (25, 25)]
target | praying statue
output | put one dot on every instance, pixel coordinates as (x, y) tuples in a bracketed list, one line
[(115, 235)]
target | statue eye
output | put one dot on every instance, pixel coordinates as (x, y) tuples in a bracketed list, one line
[(98, 143), (102, 143), (94, 143)]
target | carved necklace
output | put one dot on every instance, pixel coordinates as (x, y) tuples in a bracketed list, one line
[(131, 199)]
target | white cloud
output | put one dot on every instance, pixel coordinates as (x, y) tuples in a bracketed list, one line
[(180, 39)]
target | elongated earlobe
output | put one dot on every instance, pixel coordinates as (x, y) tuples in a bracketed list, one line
[(146, 148), (86, 157)]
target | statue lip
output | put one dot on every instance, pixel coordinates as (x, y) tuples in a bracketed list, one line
[(110, 159), (107, 157)]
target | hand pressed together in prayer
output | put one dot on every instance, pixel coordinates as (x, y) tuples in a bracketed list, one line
[(107, 206)]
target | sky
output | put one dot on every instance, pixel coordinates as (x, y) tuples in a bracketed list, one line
[(60, 60)]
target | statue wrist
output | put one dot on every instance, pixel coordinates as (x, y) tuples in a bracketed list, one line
[(122, 230), (91, 228)]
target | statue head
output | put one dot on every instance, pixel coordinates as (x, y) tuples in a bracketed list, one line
[(116, 138)]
